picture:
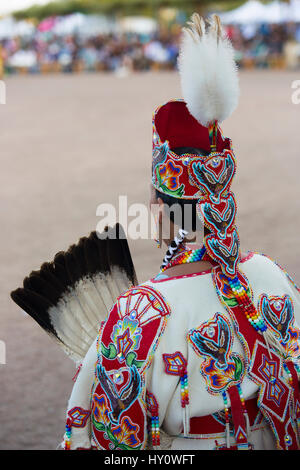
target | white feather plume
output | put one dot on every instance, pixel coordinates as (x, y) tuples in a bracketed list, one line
[(209, 78)]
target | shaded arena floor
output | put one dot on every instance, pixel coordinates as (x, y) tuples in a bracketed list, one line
[(69, 143)]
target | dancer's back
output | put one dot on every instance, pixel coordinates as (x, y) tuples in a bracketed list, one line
[(196, 306)]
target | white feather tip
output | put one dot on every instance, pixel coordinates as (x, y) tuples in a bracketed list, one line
[(209, 78)]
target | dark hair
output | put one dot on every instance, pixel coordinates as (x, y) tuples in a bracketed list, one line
[(187, 218)]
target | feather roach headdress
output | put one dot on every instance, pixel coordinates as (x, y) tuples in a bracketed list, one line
[(210, 89)]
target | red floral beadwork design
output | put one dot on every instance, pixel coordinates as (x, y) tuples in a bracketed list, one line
[(125, 351), (213, 341)]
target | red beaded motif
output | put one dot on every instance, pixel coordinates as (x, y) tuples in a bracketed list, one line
[(77, 418)]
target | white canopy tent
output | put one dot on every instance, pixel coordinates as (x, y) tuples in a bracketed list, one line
[(85, 25), (138, 24), (295, 11), (10, 28), (254, 12), (77, 23), (90, 25), (251, 12), (276, 12), (68, 24), (9, 6), (97, 24)]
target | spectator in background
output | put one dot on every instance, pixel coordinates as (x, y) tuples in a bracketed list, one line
[(263, 46)]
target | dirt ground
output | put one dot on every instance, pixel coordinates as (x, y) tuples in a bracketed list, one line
[(69, 143)]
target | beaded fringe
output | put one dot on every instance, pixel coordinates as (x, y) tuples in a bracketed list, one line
[(227, 426), (185, 401), (155, 431), (68, 435)]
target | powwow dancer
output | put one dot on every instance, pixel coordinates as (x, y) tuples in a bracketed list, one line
[(205, 355)]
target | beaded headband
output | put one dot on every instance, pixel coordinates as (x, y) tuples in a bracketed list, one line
[(173, 126)]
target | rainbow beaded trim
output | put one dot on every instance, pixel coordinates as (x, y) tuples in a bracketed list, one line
[(184, 387), (152, 406), (68, 434), (252, 314), (188, 256)]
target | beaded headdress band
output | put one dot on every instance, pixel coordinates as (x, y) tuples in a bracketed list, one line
[(210, 89)]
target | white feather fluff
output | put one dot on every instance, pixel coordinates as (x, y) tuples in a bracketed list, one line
[(209, 78), (78, 314)]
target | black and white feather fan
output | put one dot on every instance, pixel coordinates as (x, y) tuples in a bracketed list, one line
[(70, 296)]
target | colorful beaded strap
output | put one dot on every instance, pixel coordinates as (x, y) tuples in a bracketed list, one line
[(253, 316), (187, 256)]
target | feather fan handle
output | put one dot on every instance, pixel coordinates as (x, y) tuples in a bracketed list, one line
[(209, 78), (73, 294)]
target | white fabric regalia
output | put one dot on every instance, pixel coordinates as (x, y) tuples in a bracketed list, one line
[(193, 301)]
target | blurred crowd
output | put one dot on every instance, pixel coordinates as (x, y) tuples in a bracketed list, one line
[(104, 52), (268, 46)]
